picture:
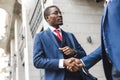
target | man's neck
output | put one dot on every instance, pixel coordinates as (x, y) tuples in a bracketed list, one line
[(53, 28), (56, 27)]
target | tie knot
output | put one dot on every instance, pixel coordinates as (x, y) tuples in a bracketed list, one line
[(56, 30), (58, 34)]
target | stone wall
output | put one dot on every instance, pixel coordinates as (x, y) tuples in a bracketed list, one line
[(83, 17)]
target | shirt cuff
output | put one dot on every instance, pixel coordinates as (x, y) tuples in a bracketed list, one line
[(82, 62), (61, 65)]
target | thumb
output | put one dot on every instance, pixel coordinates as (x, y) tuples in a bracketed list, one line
[(60, 48)]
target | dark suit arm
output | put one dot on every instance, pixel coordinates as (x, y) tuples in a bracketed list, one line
[(92, 58), (39, 59)]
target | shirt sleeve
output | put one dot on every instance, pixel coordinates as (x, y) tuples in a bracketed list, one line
[(82, 62), (61, 63)]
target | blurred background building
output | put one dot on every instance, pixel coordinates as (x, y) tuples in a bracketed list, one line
[(4, 67), (24, 18)]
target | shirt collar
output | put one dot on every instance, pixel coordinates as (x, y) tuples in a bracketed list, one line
[(108, 1), (52, 28)]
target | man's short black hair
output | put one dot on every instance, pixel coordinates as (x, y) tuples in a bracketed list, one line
[(46, 11)]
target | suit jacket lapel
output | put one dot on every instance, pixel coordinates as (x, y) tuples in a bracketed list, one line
[(66, 38), (63, 38), (104, 14), (52, 37)]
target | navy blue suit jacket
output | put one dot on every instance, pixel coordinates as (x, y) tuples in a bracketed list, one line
[(46, 54), (110, 40)]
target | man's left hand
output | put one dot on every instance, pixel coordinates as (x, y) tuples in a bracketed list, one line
[(67, 50)]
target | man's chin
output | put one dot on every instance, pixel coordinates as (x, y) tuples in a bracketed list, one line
[(61, 24)]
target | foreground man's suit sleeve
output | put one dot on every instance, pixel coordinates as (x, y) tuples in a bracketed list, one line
[(92, 58)]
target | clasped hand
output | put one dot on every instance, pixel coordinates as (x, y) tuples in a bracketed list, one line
[(71, 64)]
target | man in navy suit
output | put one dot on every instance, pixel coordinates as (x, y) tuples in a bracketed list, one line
[(109, 50), (54, 51)]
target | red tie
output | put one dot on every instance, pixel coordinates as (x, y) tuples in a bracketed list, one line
[(58, 34)]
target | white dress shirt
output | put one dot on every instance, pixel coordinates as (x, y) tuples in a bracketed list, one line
[(107, 1), (52, 29)]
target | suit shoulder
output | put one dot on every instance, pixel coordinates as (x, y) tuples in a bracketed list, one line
[(42, 32), (70, 33)]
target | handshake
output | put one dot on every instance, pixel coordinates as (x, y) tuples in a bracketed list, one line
[(73, 64)]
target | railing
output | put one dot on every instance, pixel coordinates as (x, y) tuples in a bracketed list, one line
[(21, 43), (36, 18)]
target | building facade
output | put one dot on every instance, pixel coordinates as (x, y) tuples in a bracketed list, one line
[(81, 17)]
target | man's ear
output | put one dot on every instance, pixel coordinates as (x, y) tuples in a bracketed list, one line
[(47, 18)]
